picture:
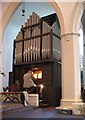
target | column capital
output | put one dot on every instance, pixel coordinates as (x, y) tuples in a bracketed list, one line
[(67, 36), (70, 34)]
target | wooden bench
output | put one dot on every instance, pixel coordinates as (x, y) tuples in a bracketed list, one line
[(11, 96)]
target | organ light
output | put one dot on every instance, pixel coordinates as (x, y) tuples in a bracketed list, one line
[(41, 86), (37, 74)]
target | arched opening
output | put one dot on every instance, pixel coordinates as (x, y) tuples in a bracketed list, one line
[(55, 6), (12, 29), (77, 27), (83, 56)]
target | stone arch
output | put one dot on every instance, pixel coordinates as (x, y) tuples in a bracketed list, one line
[(8, 14), (76, 16), (13, 7)]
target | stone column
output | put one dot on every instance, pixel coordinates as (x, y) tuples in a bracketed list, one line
[(71, 84)]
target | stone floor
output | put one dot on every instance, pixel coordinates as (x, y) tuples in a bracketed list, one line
[(11, 107), (39, 113), (16, 111)]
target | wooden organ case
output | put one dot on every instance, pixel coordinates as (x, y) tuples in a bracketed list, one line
[(38, 45)]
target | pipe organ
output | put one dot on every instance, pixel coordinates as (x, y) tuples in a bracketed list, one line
[(38, 46), (38, 40)]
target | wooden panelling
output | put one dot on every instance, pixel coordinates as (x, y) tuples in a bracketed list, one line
[(47, 74), (51, 80), (10, 78)]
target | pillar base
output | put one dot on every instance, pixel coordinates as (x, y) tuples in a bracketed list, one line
[(63, 110), (66, 106), (68, 103)]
